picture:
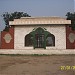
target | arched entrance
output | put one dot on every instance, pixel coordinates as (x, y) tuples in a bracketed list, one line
[(40, 38)]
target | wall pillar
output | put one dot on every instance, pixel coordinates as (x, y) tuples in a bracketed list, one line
[(70, 38), (7, 39)]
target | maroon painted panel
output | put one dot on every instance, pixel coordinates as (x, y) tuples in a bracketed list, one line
[(7, 39), (70, 38)]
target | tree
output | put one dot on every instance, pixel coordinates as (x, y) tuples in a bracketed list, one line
[(11, 16), (71, 16)]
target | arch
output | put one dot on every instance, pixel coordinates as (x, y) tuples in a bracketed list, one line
[(39, 30), (40, 38), (28, 40), (50, 40)]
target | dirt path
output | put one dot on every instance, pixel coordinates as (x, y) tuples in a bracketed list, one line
[(37, 65)]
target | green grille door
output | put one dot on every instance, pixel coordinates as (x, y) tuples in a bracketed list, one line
[(39, 37), (39, 40)]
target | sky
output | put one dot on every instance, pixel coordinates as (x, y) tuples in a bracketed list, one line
[(36, 8)]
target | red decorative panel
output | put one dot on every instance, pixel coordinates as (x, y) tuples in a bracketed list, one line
[(70, 38), (7, 39)]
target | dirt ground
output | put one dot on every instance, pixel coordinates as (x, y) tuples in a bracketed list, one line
[(37, 65)]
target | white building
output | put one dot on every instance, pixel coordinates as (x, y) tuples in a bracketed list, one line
[(40, 32)]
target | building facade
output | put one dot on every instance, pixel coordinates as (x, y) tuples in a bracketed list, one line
[(31, 33)]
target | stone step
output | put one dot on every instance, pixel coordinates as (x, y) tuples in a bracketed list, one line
[(36, 51)]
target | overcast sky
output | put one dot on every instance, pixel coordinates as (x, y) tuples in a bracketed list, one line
[(36, 7)]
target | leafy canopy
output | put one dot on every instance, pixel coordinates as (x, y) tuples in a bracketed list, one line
[(11, 16), (71, 16)]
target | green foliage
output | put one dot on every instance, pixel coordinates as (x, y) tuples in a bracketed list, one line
[(71, 16), (11, 16)]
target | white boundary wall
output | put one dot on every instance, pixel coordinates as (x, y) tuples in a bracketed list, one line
[(58, 31)]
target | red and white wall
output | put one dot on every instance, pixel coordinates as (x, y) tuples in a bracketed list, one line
[(7, 39), (70, 38)]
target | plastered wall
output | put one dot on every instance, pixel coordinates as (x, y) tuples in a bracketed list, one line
[(59, 31)]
